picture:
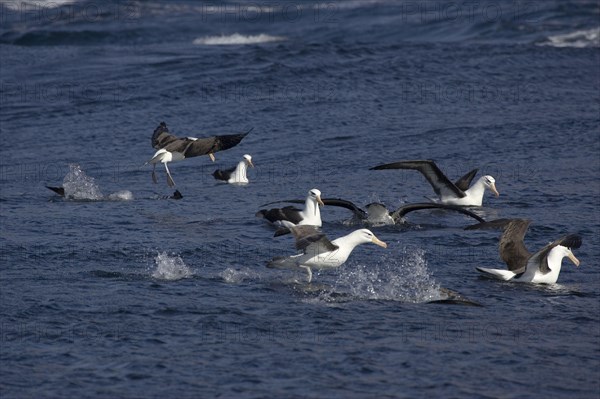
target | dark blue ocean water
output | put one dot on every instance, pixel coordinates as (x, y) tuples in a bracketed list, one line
[(147, 297)]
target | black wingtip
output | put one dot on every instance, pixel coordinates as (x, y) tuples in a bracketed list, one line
[(177, 195), (58, 190), (572, 241)]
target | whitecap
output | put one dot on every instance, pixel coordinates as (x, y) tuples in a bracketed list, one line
[(170, 267), (577, 39), (236, 38), (22, 5)]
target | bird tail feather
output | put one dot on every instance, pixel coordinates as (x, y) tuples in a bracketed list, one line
[(496, 273)]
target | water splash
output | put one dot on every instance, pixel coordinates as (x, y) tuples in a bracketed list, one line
[(406, 279), (80, 186), (170, 268), (235, 276), (123, 195)]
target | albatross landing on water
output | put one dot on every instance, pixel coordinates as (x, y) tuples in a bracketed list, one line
[(376, 213), (290, 216), (172, 148), (542, 267), (449, 193), (320, 253), (237, 174)]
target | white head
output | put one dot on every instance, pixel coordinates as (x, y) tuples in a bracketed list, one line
[(248, 160), (315, 195), (366, 236), (561, 252), (490, 183)]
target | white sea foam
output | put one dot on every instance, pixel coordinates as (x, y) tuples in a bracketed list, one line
[(578, 39), (80, 186), (35, 4), (123, 195), (236, 38), (170, 267), (405, 279)]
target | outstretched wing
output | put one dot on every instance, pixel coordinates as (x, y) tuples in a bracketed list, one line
[(403, 210), (570, 241), (190, 146), (288, 213), (440, 183), (346, 204), (464, 182), (209, 145), (332, 202), (311, 240), (512, 248)]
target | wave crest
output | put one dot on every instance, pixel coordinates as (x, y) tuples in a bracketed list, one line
[(577, 39), (237, 39)]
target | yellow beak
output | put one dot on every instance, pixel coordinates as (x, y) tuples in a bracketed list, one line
[(250, 163), (320, 202), (493, 188), (377, 241), (573, 259)]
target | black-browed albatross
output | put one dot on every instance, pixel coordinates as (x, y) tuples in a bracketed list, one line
[(541, 267), (172, 148), (449, 193), (291, 216), (320, 253), (237, 174), (377, 213)]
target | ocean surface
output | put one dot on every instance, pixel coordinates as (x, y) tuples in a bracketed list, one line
[(120, 292)]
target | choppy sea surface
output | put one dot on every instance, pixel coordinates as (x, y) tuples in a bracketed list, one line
[(119, 291)]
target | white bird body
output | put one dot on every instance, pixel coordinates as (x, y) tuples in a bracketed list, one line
[(237, 175), (542, 267), (473, 196), (449, 193), (290, 216), (532, 273), (320, 253)]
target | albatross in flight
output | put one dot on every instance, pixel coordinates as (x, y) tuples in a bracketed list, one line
[(542, 267), (449, 193), (172, 148), (290, 216), (320, 253), (237, 174)]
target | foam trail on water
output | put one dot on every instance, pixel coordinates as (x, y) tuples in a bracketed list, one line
[(170, 268), (80, 186)]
